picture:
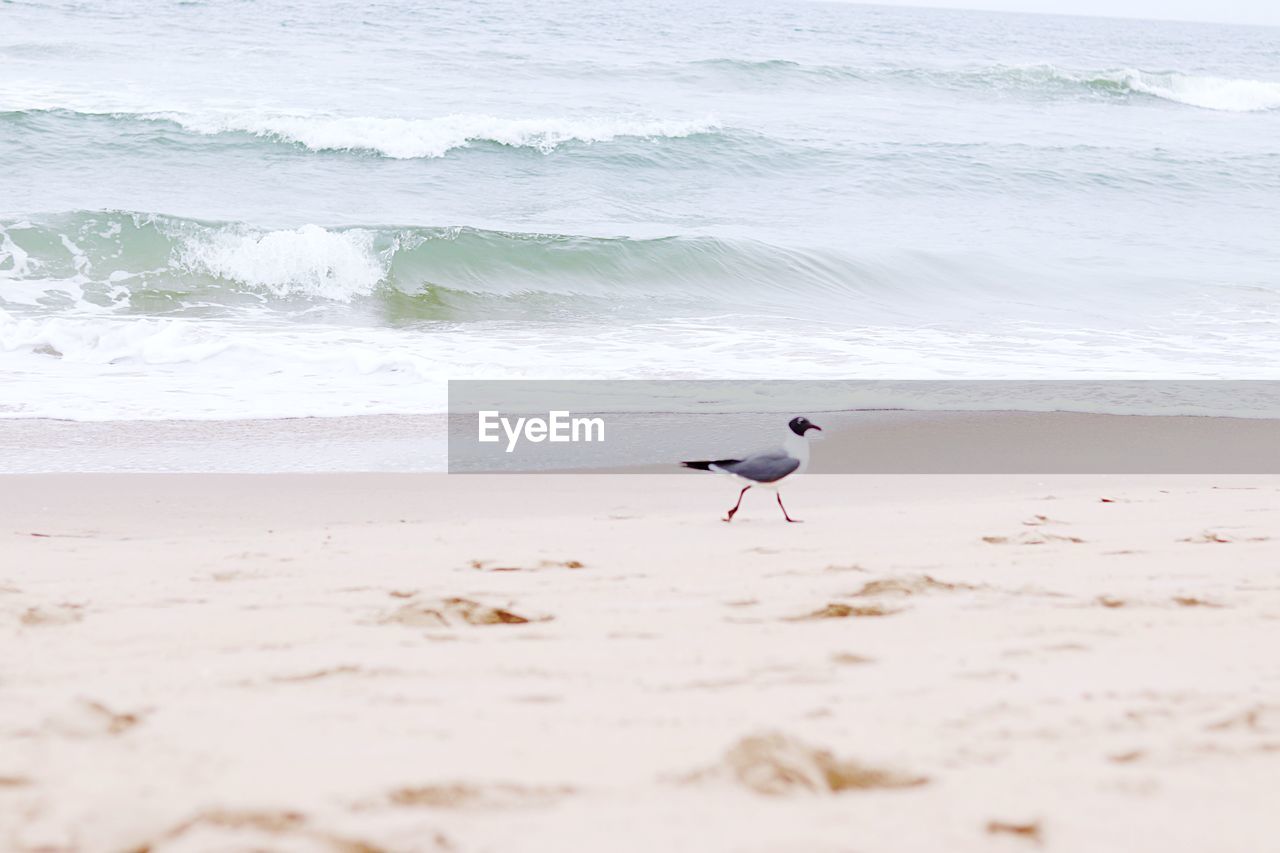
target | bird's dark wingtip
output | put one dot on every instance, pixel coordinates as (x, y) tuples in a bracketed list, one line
[(697, 466)]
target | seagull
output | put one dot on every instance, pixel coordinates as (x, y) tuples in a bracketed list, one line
[(769, 468)]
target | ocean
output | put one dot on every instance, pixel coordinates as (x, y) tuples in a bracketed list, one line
[(248, 210)]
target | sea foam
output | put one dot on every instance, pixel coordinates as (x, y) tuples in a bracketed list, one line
[(1211, 93), (309, 261)]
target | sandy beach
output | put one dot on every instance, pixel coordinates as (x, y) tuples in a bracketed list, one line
[(364, 662), (349, 354)]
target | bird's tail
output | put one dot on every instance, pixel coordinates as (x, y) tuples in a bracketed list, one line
[(709, 465)]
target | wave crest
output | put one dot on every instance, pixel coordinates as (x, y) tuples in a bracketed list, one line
[(1206, 92), (166, 264), (1210, 93), (309, 261), (168, 260), (426, 138), (128, 255)]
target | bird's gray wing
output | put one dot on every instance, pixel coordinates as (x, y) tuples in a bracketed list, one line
[(768, 467)]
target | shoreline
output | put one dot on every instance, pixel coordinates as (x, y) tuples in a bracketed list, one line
[(861, 442)]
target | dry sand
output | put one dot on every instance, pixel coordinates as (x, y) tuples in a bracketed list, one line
[(415, 662)]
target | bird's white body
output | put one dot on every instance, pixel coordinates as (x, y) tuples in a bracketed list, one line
[(793, 445)]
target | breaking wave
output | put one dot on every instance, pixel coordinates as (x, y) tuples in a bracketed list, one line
[(1211, 93), (405, 139), (138, 264), (1206, 92), (392, 137), (135, 257)]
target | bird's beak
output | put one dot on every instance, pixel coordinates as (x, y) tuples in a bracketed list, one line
[(814, 426)]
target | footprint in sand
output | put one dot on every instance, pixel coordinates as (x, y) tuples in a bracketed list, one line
[(62, 614), (1180, 600), (909, 586), (1260, 718), (1194, 601), (838, 610), (91, 718), (1207, 537), (1215, 538), (464, 795), (1029, 830), (224, 829), (851, 659), (443, 613), (487, 566), (318, 674), (775, 764), (1028, 538), (885, 587)]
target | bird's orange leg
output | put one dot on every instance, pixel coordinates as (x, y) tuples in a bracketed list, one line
[(729, 517), (784, 512)]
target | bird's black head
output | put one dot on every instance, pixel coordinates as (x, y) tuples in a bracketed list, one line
[(801, 425)]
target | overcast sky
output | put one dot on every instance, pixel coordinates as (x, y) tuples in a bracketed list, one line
[(1230, 11)]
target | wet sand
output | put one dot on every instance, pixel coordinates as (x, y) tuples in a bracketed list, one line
[(855, 442)]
